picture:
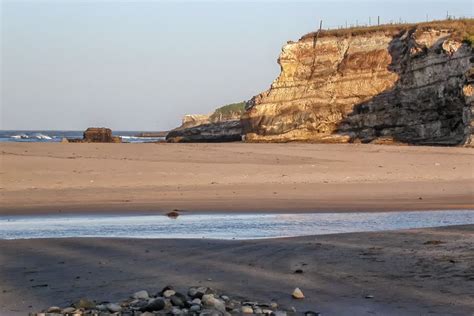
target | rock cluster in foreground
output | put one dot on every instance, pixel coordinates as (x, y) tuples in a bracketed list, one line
[(202, 301)]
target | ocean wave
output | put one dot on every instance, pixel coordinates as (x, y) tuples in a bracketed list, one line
[(38, 136), (42, 136), (20, 136)]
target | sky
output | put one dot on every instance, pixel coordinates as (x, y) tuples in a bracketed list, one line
[(142, 65)]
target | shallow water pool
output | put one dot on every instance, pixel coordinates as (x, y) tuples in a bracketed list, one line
[(222, 226)]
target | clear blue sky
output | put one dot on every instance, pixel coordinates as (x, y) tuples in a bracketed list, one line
[(133, 65)]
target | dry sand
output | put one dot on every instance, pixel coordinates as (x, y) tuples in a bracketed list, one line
[(405, 275), (53, 177), (405, 272)]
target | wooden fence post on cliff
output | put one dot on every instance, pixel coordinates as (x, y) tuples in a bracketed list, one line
[(315, 39)]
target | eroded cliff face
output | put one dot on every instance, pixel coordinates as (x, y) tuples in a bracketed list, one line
[(410, 85), (215, 127)]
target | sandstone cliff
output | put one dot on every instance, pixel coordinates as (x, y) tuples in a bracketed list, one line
[(406, 83)]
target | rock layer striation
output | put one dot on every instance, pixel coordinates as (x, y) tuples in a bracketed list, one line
[(410, 84)]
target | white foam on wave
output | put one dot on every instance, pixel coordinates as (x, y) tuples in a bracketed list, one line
[(42, 136), (20, 136)]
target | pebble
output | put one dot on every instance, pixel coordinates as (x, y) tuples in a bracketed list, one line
[(369, 296), (54, 309), (68, 310), (84, 303), (114, 308), (196, 301), (101, 307), (225, 297), (279, 313), (178, 300), (297, 294), (155, 305), (168, 293), (311, 313), (247, 310), (198, 292), (141, 295), (166, 288), (210, 301), (195, 308)]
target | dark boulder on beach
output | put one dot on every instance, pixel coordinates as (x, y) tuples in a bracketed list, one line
[(98, 135)]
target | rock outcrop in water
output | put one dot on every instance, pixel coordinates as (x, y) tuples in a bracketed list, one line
[(97, 135), (406, 83)]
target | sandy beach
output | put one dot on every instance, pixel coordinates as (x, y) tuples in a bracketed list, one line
[(411, 272), (142, 178)]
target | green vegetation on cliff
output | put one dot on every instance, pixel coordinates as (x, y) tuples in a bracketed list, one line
[(229, 111)]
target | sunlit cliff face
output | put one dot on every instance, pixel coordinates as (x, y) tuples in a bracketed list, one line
[(406, 87)]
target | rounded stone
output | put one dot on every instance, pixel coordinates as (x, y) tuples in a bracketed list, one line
[(247, 310), (178, 300), (155, 305), (141, 295), (54, 309), (297, 294), (101, 307), (209, 300), (84, 303), (166, 288), (168, 293), (68, 310), (195, 308), (114, 308), (198, 292), (225, 297)]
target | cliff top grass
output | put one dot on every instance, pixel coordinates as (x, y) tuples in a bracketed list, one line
[(228, 110), (463, 29)]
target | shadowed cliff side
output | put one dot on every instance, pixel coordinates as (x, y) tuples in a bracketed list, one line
[(223, 125), (409, 84)]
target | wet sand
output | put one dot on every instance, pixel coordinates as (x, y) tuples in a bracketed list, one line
[(411, 272), (38, 178)]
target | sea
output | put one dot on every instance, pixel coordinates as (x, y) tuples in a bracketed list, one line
[(52, 136)]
